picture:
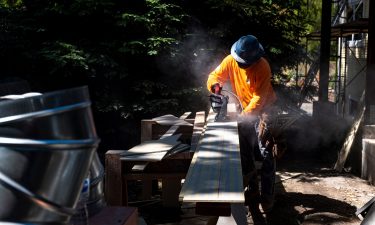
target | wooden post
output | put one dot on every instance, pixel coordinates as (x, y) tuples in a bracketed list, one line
[(146, 189), (370, 73), (325, 42), (113, 179), (146, 130), (212, 209), (170, 190), (215, 174)]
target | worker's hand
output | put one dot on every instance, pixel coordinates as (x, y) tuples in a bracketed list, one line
[(216, 89), (216, 102)]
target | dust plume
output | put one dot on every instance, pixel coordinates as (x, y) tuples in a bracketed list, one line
[(196, 56)]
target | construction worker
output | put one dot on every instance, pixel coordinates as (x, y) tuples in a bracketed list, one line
[(249, 74)]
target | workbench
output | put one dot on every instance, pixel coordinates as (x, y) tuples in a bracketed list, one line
[(170, 170)]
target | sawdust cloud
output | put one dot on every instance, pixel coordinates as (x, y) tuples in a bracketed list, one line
[(196, 56), (317, 136), (200, 53)]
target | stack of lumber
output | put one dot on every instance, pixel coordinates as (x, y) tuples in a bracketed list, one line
[(165, 153), (153, 150), (156, 150)]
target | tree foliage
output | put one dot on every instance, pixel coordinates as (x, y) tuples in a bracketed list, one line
[(140, 58), (279, 25)]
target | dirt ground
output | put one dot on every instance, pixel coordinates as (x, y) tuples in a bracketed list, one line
[(313, 193), (307, 193)]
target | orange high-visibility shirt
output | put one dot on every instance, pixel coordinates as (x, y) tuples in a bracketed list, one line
[(252, 85)]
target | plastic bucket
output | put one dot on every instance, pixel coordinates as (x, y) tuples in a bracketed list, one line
[(47, 144)]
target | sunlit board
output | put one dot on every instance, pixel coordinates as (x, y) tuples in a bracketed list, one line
[(215, 172)]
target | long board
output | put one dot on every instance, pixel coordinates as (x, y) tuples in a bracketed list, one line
[(215, 171), (153, 150), (349, 140)]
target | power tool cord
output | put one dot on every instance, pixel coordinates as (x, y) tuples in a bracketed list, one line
[(237, 98)]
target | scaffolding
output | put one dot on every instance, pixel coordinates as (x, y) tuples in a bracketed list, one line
[(349, 38)]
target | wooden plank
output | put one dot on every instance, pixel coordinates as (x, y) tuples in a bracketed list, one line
[(170, 190), (218, 173), (148, 149), (158, 130), (215, 175), (210, 117), (152, 146), (148, 124), (200, 120), (170, 120), (191, 121), (113, 179), (190, 172), (116, 181), (180, 155), (139, 167), (146, 130), (237, 217), (148, 157), (115, 216), (345, 149), (178, 149), (153, 150), (134, 176), (156, 153), (174, 128)]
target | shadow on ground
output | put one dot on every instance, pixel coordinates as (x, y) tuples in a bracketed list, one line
[(293, 208)]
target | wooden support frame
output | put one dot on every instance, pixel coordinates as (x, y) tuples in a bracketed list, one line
[(118, 172), (200, 121), (113, 179), (212, 209)]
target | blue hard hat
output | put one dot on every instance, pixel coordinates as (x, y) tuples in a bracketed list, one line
[(247, 50)]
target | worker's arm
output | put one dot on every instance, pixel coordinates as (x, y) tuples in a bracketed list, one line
[(219, 76), (261, 90)]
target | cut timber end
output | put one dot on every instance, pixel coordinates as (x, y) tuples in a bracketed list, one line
[(212, 209), (113, 178), (198, 129)]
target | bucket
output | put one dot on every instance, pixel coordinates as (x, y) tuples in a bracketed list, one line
[(47, 144)]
